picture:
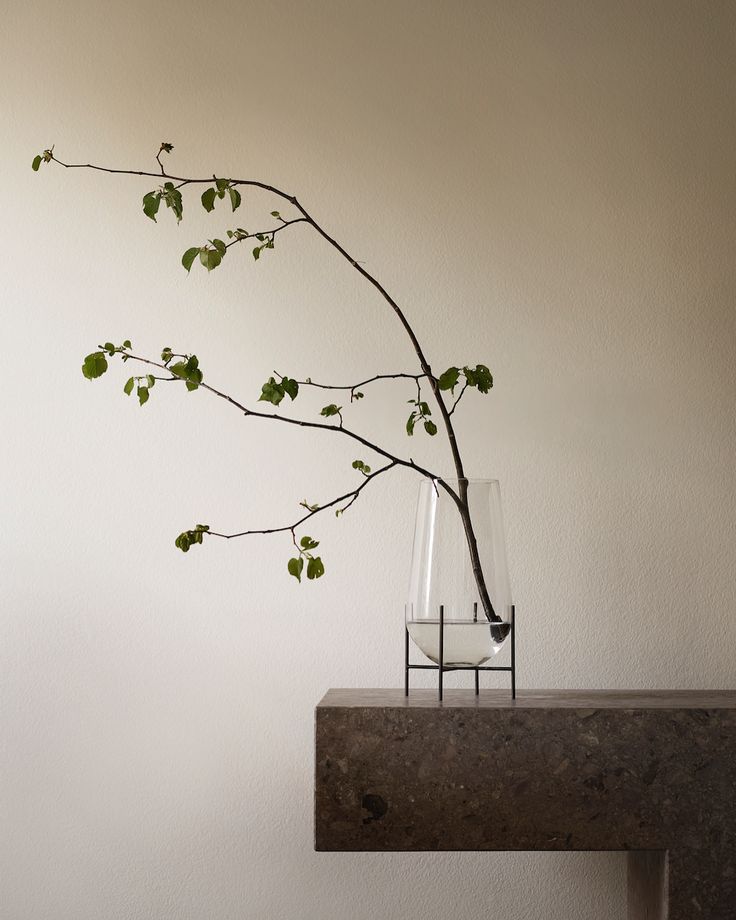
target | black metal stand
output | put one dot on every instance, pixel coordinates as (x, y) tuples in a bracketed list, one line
[(441, 667)]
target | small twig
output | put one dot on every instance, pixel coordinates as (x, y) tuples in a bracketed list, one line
[(356, 386), (460, 396), (350, 497)]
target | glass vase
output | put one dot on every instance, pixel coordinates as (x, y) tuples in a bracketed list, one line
[(442, 574)]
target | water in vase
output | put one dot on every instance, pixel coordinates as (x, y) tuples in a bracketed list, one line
[(466, 644)]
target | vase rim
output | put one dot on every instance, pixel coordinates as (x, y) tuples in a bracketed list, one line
[(469, 479)]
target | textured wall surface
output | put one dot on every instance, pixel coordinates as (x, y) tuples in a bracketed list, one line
[(546, 188)]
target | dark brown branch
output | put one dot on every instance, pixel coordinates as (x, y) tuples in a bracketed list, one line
[(350, 497), (459, 397), (301, 423), (356, 386)]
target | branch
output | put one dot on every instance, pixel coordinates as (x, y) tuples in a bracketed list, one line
[(460, 396), (350, 497), (329, 386), (339, 429)]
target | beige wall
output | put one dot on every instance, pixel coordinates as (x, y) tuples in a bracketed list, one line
[(546, 187)]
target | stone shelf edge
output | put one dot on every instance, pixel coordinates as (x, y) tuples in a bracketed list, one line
[(652, 773)]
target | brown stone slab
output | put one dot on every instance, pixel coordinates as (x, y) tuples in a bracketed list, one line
[(652, 773)]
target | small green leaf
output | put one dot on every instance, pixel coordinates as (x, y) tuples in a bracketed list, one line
[(210, 258), (315, 568), (291, 387), (208, 199), (221, 184), (484, 378), (219, 246), (126, 344), (430, 428), (235, 198), (150, 380), (308, 543), (189, 256), (411, 422), (257, 253), (94, 365), (142, 395), (295, 567), (448, 380), (151, 203), (166, 147), (272, 392), (37, 160), (172, 197), (330, 410), (182, 542), (275, 214), (128, 388)]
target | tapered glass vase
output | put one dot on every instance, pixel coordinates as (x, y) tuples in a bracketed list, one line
[(443, 575)]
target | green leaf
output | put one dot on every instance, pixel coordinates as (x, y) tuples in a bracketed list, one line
[(94, 365), (150, 380), (315, 568), (166, 147), (219, 246), (128, 388), (109, 348), (330, 410), (37, 160), (430, 428), (151, 203), (411, 422), (235, 198), (189, 256), (295, 567), (179, 369), (142, 395), (126, 344), (484, 378), (448, 380), (257, 253), (291, 387), (182, 542), (275, 214), (210, 258), (172, 197), (272, 392), (308, 543), (208, 199), (221, 184)]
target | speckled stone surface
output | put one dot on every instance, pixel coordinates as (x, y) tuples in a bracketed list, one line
[(650, 773)]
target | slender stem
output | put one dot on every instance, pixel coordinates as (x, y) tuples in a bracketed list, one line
[(302, 423), (349, 497), (362, 383)]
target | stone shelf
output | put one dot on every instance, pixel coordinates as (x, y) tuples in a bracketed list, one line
[(652, 774)]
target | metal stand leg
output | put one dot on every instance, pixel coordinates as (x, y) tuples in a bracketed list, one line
[(513, 652), (441, 662), (406, 661)]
